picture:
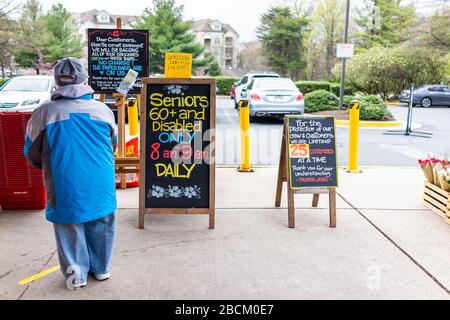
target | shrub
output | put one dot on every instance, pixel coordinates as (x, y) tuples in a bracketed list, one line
[(224, 84), (3, 81), (310, 86), (336, 89), (320, 100), (377, 112)]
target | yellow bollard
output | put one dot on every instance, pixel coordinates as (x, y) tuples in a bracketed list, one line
[(133, 117), (353, 141), (244, 112)]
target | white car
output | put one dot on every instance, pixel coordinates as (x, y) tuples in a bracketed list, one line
[(246, 80), (25, 93)]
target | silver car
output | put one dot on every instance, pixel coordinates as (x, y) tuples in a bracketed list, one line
[(427, 96), (273, 97)]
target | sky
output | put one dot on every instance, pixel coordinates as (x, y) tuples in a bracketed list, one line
[(242, 15)]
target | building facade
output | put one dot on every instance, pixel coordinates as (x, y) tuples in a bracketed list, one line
[(220, 40)]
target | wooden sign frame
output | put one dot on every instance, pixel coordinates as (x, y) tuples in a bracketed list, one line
[(284, 176), (122, 165), (211, 211)]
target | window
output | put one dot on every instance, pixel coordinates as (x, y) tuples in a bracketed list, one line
[(216, 40), (217, 26), (103, 17), (207, 42), (229, 41), (21, 84)]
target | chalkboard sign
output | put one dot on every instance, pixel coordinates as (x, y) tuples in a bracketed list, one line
[(177, 155), (312, 152), (111, 53)]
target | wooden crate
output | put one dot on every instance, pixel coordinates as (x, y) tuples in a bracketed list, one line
[(437, 200)]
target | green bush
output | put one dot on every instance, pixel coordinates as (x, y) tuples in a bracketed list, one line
[(3, 81), (224, 84), (310, 86), (364, 100), (320, 100), (377, 112), (336, 89)]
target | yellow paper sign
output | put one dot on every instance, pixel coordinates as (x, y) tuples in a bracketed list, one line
[(178, 65)]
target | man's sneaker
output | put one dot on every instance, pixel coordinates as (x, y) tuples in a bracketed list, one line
[(75, 286), (102, 276)]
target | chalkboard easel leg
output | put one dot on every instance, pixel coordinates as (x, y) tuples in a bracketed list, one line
[(212, 221), (315, 202), (291, 207), (141, 219), (332, 208)]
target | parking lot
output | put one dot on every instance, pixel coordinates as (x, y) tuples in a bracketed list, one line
[(375, 148)]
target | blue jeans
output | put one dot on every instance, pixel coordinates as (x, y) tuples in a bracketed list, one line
[(85, 248)]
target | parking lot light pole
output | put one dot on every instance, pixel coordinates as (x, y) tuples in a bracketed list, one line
[(341, 94)]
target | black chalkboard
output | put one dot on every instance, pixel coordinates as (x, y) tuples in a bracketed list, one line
[(178, 117), (111, 53), (311, 147)]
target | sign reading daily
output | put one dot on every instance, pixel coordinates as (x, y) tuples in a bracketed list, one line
[(312, 152), (112, 53), (178, 168)]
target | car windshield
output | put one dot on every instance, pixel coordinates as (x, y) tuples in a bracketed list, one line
[(275, 84), (38, 85)]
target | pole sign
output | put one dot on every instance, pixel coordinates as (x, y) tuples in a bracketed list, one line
[(112, 54), (344, 50), (177, 149), (311, 146)]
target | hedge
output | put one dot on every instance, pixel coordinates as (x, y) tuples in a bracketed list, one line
[(224, 84), (320, 100), (336, 89), (310, 86)]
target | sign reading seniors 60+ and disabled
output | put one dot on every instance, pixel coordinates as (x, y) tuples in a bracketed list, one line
[(112, 53), (177, 147)]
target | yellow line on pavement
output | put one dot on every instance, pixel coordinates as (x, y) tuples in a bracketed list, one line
[(39, 275), (371, 124)]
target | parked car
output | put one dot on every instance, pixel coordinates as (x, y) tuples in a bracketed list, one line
[(427, 96), (273, 97), (25, 93), (233, 89), (246, 80)]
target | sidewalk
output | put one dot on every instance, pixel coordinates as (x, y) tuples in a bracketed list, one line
[(386, 246)]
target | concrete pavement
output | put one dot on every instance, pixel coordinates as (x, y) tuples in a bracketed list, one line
[(386, 246)]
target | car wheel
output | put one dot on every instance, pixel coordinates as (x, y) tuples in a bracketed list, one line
[(236, 104), (426, 102)]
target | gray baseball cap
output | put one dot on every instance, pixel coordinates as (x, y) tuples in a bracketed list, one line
[(70, 71)]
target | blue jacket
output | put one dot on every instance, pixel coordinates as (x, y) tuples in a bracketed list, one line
[(73, 138)]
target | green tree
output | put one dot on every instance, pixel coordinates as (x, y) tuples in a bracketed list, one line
[(382, 70), (31, 38), (169, 33), (327, 29), (7, 28), (214, 69), (435, 31), (282, 36), (385, 22), (63, 40)]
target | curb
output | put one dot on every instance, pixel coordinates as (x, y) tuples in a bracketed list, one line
[(371, 124)]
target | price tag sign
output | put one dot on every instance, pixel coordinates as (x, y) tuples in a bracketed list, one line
[(178, 65)]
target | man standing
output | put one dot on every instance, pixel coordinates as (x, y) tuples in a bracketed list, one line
[(73, 138)]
